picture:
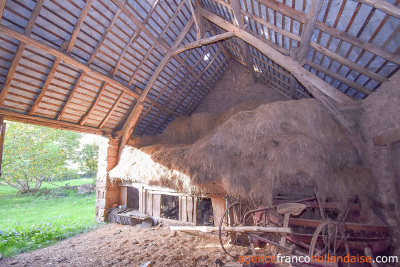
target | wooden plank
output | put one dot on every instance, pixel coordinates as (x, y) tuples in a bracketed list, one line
[(180, 208), (157, 205), (310, 81), (202, 42), (78, 25), (307, 33), (383, 6), (194, 219), (96, 101), (336, 76), (219, 207), (246, 229), (348, 63), (20, 50), (45, 86), (284, 9), (36, 120), (149, 203), (184, 209)]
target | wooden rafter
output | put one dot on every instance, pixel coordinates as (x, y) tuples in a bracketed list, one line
[(20, 50), (110, 112), (78, 81), (78, 24), (244, 47), (2, 6), (305, 41), (196, 13), (65, 57), (97, 98), (127, 129), (309, 80), (382, 5)]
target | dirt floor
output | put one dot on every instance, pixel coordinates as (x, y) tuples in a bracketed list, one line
[(121, 245)]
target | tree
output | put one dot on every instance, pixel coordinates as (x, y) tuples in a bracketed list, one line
[(33, 154), (89, 157)]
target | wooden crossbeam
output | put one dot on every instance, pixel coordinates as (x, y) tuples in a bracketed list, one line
[(97, 99), (45, 86), (383, 6), (202, 42), (21, 47), (78, 24), (244, 47), (310, 81), (221, 47), (305, 41), (121, 95)]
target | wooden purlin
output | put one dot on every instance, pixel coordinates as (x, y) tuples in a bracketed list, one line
[(20, 50)]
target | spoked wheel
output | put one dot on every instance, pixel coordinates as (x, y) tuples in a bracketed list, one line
[(329, 238), (235, 244)]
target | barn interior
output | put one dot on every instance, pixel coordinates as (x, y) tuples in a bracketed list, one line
[(203, 103)]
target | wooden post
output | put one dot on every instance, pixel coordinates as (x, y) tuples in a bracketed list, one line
[(157, 205), (218, 206), (2, 136)]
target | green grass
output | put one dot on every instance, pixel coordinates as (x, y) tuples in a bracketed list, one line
[(30, 221)]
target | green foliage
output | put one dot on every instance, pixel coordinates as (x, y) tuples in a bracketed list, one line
[(33, 154), (31, 221), (88, 159)]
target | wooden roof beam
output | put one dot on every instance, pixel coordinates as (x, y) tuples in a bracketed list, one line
[(198, 21), (2, 6), (244, 47), (305, 41), (78, 81), (129, 126), (312, 83), (78, 24), (21, 47), (383, 6), (67, 58), (121, 95), (97, 99)]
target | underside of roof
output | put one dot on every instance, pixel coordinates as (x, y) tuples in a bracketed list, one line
[(117, 66)]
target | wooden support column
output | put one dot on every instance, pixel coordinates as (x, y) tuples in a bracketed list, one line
[(107, 193), (244, 47), (2, 136)]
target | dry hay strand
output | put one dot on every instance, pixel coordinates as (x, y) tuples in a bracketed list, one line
[(257, 154)]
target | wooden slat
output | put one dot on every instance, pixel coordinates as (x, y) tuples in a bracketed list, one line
[(78, 25), (157, 205), (284, 9), (310, 81), (342, 79), (307, 33), (358, 42), (111, 110), (78, 81), (20, 50), (45, 86), (382, 5), (348, 63), (98, 95)]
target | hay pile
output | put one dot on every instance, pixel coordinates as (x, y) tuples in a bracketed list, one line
[(256, 153)]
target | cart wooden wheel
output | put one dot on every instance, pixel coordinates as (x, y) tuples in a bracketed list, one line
[(235, 244), (329, 238)]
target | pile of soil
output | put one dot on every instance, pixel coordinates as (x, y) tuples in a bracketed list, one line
[(121, 245)]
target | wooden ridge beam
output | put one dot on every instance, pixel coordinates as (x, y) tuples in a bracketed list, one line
[(244, 47), (97, 99), (45, 86), (383, 6), (310, 81), (78, 25), (21, 47), (202, 42), (305, 41)]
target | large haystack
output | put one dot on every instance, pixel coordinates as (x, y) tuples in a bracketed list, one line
[(257, 153)]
